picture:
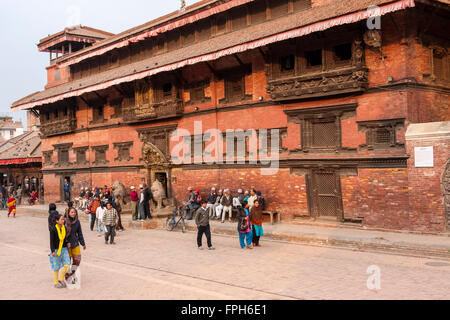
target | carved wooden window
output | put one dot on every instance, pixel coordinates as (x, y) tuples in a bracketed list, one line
[(98, 114), (113, 59), (48, 157), (221, 24), (123, 151), (321, 127), (323, 133), (258, 12), (441, 64), (278, 8), (100, 154), (314, 59), (63, 153), (160, 45), (203, 30), (381, 134), (239, 18), (167, 89), (188, 35), (197, 92), (287, 64), (63, 156), (342, 53), (234, 80), (81, 155), (173, 40), (117, 105)]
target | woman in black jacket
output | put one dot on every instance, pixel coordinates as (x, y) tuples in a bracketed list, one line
[(59, 254), (74, 239)]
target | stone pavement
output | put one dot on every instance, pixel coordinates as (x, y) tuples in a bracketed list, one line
[(413, 244), (157, 264)]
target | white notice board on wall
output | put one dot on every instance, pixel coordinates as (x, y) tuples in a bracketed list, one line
[(424, 157)]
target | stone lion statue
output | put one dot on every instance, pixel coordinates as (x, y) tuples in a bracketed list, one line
[(119, 189), (159, 194)]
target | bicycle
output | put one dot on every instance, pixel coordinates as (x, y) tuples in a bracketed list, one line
[(172, 223)]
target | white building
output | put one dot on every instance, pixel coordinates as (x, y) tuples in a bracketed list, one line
[(10, 129)]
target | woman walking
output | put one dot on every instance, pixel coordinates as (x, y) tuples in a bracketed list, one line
[(244, 229), (59, 255), (12, 206), (74, 239), (257, 218)]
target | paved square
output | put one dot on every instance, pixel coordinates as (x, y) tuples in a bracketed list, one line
[(157, 264)]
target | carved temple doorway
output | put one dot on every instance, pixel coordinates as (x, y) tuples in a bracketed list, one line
[(156, 156)]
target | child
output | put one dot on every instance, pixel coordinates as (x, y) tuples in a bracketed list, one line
[(59, 254), (12, 206), (244, 228), (202, 222)]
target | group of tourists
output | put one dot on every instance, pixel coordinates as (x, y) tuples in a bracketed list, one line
[(249, 206)]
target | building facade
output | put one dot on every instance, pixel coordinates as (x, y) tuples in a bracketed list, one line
[(325, 89)]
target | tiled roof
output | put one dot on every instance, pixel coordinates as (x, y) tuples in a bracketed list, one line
[(223, 42), (27, 145)]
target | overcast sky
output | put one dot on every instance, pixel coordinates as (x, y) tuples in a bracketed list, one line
[(24, 22)]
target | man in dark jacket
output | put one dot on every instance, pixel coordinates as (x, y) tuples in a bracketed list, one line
[(202, 222), (148, 195), (67, 190)]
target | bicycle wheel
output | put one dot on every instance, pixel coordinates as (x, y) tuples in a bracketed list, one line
[(170, 224), (183, 225)]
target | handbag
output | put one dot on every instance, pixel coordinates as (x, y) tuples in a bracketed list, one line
[(244, 225)]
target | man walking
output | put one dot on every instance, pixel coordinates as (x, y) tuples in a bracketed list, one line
[(202, 222), (110, 220), (134, 204), (148, 195)]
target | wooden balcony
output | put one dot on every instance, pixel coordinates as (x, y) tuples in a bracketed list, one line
[(57, 127), (154, 111), (348, 80)]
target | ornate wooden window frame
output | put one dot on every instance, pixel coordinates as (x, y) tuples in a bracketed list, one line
[(120, 147), (96, 149), (232, 74), (306, 117), (200, 85), (371, 127), (63, 147), (117, 105), (78, 151), (48, 157)]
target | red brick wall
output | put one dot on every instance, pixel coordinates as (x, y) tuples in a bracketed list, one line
[(426, 205)]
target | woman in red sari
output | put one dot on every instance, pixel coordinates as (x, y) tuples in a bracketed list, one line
[(12, 206)]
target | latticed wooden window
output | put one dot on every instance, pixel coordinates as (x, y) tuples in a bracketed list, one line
[(324, 134), (383, 136), (63, 156)]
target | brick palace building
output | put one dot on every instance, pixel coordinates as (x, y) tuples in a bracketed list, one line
[(341, 92)]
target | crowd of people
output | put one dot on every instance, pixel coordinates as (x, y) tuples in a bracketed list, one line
[(104, 210), (249, 206)]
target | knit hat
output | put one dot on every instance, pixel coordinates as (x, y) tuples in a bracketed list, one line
[(132, 188)]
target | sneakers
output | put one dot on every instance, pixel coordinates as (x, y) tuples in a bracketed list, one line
[(211, 248), (200, 248)]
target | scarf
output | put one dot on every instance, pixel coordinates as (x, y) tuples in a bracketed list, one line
[(61, 236), (70, 222)]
